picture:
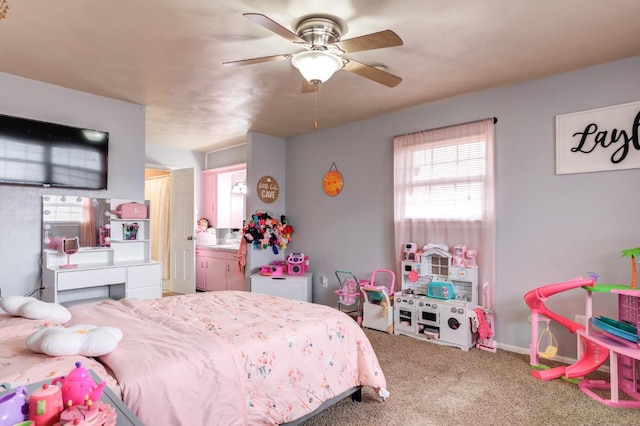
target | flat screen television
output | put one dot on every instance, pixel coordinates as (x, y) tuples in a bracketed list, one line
[(52, 155)]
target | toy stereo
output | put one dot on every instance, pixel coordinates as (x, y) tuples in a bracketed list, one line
[(440, 290), (297, 264)]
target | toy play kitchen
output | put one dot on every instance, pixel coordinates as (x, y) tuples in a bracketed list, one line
[(439, 292)]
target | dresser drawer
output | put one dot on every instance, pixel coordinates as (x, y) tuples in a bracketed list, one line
[(145, 276), (91, 278)]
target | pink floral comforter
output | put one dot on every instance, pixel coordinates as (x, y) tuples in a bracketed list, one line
[(232, 358)]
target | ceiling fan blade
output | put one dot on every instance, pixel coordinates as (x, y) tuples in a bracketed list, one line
[(256, 60), (374, 74), (273, 26), (386, 38)]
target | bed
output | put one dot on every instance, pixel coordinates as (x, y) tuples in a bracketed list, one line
[(230, 357)]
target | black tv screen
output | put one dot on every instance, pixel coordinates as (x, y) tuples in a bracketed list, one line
[(53, 155)]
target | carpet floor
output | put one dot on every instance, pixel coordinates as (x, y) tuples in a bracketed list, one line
[(432, 384)]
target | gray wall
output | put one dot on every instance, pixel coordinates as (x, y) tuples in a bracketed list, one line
[(21, 206), (266, 156), (549, 228)]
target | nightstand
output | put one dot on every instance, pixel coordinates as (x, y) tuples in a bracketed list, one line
[(296, 287)]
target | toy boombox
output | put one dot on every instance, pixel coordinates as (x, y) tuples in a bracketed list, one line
[(297, 264)]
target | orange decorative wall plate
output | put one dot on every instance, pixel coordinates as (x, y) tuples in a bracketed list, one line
[(332, 183)]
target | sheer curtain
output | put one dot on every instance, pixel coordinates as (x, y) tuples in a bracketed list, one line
[(158, 191), (88, 231), (450, 200)]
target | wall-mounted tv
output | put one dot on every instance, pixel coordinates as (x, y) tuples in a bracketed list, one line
[(52, 155)]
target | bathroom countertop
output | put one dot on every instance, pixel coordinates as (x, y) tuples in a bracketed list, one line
[(225, 247)]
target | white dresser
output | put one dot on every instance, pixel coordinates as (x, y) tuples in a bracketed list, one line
[(296, 287)]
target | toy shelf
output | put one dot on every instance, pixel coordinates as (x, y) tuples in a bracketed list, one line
[(624, 355)]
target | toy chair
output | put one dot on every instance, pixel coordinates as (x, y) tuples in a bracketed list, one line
[(377, 304), (349, 295)]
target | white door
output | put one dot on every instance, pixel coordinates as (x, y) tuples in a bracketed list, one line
[(183, 264)]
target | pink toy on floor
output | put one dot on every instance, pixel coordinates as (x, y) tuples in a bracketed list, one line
[(593, 357), (486, 341)]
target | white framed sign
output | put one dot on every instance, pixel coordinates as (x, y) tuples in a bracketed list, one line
[(598, 139)]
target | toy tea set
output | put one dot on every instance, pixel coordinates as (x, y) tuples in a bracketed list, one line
[(46, 406)]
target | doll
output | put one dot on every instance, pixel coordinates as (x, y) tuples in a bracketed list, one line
[(203, 225)]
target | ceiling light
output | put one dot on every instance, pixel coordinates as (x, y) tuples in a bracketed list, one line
[(316, 66)]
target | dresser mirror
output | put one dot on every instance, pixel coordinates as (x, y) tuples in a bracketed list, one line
[(66, 217)]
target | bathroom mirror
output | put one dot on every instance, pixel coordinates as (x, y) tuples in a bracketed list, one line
[(65, 216)]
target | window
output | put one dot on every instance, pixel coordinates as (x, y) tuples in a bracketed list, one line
[(446, 179), (444, 190)]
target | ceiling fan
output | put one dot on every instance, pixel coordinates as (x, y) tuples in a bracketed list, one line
[(321, 36)]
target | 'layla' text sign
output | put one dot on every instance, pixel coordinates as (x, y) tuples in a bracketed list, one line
[(599, 139)]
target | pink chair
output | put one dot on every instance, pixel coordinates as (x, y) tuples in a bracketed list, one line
[(377, 303)]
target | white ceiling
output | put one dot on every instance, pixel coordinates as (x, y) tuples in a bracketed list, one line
[(168, 55)]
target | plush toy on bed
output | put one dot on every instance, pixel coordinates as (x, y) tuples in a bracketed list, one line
[(81, 339), (32, 308)]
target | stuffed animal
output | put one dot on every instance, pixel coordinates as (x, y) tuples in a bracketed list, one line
[(32, 308), (264, 231)]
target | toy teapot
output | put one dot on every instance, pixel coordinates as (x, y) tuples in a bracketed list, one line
[(14, 406), (77, 385)]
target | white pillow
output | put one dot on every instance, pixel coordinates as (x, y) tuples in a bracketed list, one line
[(32, 308), (80, 339)]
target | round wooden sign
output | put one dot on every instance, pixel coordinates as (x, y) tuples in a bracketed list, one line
[(332, 183), (268, 189)]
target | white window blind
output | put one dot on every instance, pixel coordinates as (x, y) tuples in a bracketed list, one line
[(447, 179)]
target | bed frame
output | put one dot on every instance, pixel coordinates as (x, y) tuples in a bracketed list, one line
[(356, 396)]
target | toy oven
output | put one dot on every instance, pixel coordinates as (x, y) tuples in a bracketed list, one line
[(404, 314), (428, 313)]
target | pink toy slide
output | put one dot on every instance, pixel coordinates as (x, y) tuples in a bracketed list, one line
[(594, 355)]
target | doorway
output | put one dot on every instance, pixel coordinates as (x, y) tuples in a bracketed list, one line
[(157, 189), (171, 193)]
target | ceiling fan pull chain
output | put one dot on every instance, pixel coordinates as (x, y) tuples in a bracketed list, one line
[(315, 107)]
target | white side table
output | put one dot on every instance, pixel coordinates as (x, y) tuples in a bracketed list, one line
[(295, 287)]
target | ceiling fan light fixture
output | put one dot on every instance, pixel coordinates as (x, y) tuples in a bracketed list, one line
[(316, 66)]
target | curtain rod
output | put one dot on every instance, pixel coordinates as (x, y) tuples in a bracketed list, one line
[(495, 120)]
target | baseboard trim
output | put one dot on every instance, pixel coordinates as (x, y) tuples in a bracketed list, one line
[(562, 359)]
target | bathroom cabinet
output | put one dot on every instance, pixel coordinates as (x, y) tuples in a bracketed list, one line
[(217, 269)]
